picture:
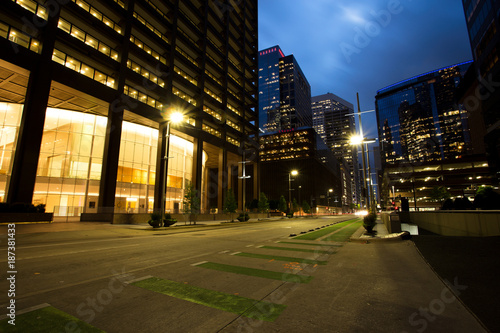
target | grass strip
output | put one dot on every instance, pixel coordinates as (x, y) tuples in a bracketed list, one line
[(312, 244), (325, 231), (294, 249), (247, 307), (344, 234), (48, 319), (280, 258), (287, 277)]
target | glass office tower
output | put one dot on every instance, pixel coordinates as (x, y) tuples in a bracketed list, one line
[(86, 90), (419, 120)]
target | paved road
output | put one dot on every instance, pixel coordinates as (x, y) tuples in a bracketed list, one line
[(383, 287)]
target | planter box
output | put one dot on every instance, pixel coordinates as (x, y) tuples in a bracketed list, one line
[(26, 217)]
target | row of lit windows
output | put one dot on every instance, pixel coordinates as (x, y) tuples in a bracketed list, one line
[(233, 141), (211, 130), (215, 61), (211, 93), (148, 50), (185, 75), (150, 27), (187, 56), (127, 90), (142, 71), (213, 77), (232, 108), (211, 112), (33, 7), (87, 39), (186, 35), (184, 96), (20, 38), (233, 125), (158, 10), (82, 68), (98, 15)]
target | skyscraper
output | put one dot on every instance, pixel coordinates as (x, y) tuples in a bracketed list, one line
[(87, 89), (333, 119), (284, 92), (269, 88), (483, 97), (419, 120)]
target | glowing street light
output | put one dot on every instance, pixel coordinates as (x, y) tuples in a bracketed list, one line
[(292, 173)]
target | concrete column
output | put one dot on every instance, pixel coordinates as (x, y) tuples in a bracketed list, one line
[(25, 164), (197, 164), (222, 181), (161, 163)]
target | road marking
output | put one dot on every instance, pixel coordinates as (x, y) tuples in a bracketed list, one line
[(249, 245), (235, 253), (33, 308), (138, 279), (225, 251), (199, 263), (73, 252), (242, 306)]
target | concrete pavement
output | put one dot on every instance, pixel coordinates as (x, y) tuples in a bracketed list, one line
[(367, 286)]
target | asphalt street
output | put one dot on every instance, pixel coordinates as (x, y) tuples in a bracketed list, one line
[(383, 287)]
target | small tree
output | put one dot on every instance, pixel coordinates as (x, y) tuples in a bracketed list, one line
[(486, 198), (305, 207), (439, 194), (191, 203), (282, 205), (295, 206), (230, 204), (263, 205)]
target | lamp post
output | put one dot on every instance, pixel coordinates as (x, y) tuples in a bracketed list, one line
[(175, 118), (328, 199), (292, 173)]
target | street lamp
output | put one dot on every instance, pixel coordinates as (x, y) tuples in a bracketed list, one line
[(328, 198), (292, 173), (174, 118)]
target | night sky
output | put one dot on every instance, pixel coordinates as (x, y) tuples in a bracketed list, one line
[(349, 46)]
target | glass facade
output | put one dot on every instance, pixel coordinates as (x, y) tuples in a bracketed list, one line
[(419, 120), (10, 117), (71, 156), (269, 88)]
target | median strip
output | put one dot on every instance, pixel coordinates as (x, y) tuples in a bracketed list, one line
[(295, 249), (343, 234), (280, 258), (287, 277), (311, 244), (46, 319), (246, 307), (325, 231)]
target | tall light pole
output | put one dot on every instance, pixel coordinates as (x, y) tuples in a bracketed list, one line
[(175, 118), (328, 198), (292, 173)]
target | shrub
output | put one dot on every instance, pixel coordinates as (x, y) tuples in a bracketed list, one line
[(243, 217), (168, 220), (369, 222), (155, 221)]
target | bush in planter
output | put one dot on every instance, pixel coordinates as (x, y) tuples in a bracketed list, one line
[(155, 221), (369, 222), (168, 220), (243, 217)]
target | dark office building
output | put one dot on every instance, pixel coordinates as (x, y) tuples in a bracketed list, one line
[(269, 88), (419, 119), (302, 150), (481, 96), (295, 95), (425, 139), (333, 120), (284, 92), (87, 88)]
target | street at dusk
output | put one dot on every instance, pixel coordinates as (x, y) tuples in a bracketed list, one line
[(249, 166)]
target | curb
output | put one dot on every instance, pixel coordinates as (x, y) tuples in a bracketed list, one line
[(357, 237)]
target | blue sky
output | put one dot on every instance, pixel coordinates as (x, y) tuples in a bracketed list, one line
[(349, 46)]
